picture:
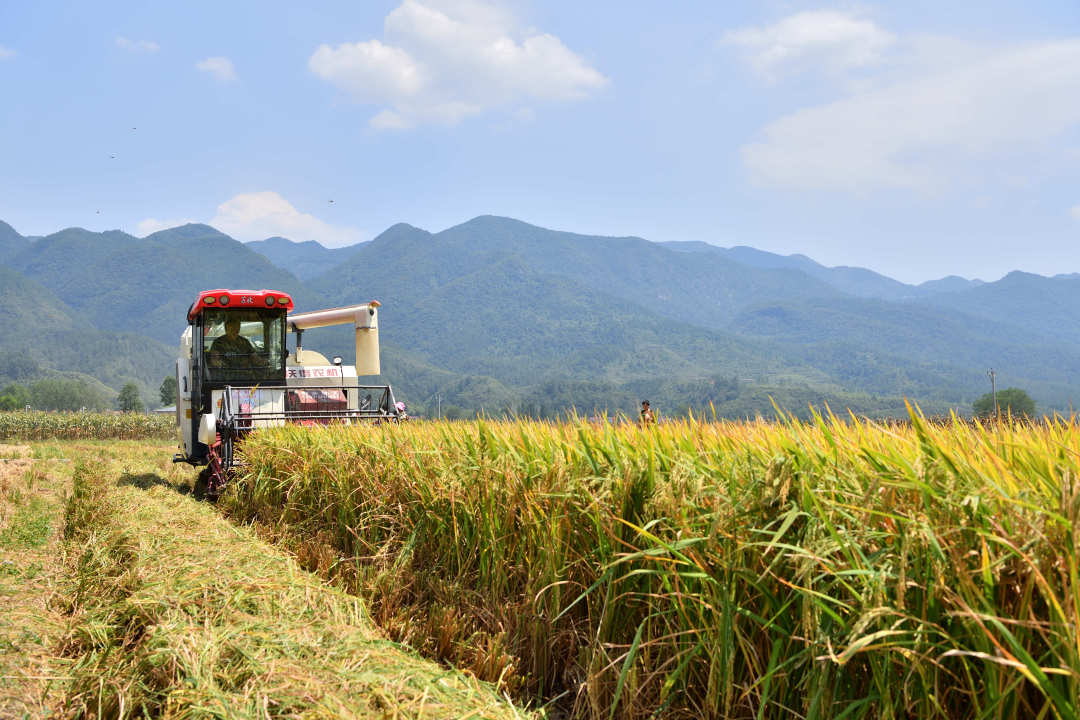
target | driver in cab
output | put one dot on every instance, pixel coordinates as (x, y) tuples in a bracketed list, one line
[(231, 350)]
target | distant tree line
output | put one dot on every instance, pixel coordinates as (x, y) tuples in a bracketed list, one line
[(54, 394), (725, 396), (76, 394), (718, 396), (68, 394)]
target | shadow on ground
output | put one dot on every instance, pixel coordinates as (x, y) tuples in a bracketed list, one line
[(145, 481)]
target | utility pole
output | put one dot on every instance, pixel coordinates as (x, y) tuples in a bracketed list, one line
[(993, 388)]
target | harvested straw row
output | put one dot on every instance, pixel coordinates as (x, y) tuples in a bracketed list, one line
[(31, 625), (712, 570), (182, 615)]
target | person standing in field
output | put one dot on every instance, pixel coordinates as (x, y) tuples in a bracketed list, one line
[(646, 416)]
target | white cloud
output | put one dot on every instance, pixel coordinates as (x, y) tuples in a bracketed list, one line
[(927, 124), (390, 120), (153, 225), (259, 215), (369, 68), (137, 46), (1075, 212), (220, 67), (833, 40), (6, 52), (444, 60)]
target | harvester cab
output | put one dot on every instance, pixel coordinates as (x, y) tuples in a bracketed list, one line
[(235, 374)]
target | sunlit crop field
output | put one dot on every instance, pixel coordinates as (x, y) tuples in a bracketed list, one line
[(822, 569), (85, 426), (121, 596)]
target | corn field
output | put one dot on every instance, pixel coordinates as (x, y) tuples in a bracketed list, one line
[(822, 569), (85, 426)]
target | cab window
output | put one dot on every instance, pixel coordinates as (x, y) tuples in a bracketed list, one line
[(243, 345)]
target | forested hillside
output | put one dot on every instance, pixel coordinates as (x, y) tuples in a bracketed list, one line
[(11, 242), (929, 350), (704, 290), (850, 280), (43, 337), (497, 314), (305, 260), (1022, 300), (145, 285), (461, 298)]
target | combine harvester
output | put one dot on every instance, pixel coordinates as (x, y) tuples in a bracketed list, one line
[(235, 374)]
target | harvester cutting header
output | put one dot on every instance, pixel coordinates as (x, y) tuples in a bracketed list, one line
[(234, 374)]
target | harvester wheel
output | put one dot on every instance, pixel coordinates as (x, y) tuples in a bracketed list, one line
[(202, 484)]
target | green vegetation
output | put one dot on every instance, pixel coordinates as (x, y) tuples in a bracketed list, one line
[(851, 280), (494, 313), (54, 394), (820, 569), (66, 394), (128, 400), (85, 426), (1023, 303), (29, 526), (167, 391), (871, 344), (1010, 401), (150, 297), (14, 397), (44, 338), (11, 242), (305, 260), (17, 365), (510, 308)]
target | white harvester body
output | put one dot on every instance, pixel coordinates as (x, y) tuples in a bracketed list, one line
[(235, 374)]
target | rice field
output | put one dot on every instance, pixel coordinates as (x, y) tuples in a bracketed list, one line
[(834, 568), (42, 425), (123, 597)]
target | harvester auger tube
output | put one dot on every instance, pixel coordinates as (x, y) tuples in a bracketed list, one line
[(235, 375)]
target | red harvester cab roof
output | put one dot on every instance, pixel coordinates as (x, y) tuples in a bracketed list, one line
[(239, 300)]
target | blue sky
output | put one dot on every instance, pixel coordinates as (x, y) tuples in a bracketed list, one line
[(917, 138)]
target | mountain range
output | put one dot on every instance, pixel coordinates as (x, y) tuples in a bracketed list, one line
[(499, 315)]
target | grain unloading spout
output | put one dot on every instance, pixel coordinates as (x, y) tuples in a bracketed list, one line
[(365, 321)]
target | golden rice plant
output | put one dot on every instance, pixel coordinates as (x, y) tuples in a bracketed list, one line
[(822, 569), (85, 426)]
